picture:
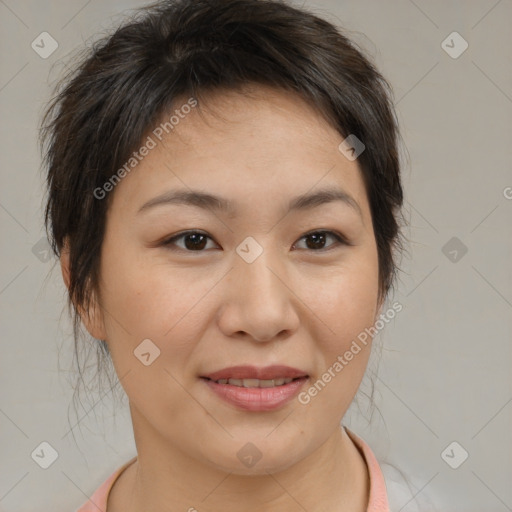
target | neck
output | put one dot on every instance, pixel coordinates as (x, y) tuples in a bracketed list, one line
[(332, 478)]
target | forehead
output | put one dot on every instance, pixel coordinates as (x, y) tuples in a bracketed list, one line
[(260, 144), (253, 115)]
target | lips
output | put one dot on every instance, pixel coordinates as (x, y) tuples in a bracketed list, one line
[(255, 383), (254, 389), (267, 373)]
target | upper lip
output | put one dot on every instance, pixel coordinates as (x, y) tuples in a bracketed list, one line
[(252, 372)]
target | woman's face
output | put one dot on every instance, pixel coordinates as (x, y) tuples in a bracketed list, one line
[(249, 288)]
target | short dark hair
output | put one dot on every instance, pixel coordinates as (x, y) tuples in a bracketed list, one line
[(178, 48)]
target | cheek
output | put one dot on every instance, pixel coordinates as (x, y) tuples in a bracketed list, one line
[(144, 299), (344, 302), (344, 299), (149, 294), (151, 301), (344, 307)]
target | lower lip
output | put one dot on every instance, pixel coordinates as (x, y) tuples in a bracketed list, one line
[(257, 399)]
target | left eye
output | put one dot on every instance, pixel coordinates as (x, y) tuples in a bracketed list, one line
[(318, 238)]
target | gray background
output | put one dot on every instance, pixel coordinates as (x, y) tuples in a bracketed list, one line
[(445, 366)]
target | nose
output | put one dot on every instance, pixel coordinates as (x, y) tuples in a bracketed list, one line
[(258, 301)]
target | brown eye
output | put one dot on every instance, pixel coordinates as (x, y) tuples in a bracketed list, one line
[(192, 241), (316, 240)]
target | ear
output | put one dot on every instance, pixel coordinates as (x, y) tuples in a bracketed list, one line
[(93, 317)]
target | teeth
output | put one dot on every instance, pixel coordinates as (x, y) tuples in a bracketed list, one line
[(251, 383), (255, 383)]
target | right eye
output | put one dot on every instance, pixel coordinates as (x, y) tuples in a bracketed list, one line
[(193, 241)]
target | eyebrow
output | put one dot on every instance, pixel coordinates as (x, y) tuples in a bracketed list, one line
[(215, 203)]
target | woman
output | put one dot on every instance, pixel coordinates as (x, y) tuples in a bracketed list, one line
[(224, 196)]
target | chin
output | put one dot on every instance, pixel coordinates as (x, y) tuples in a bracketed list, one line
[(257, 458)]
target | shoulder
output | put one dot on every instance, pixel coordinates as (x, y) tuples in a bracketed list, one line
[(98, 501), (377, 499), (404, 493), (389, 483)]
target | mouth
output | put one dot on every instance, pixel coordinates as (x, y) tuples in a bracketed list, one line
[(256, 389), (253, 375), (256, 383)]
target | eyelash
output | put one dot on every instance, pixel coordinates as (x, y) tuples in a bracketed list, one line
[(340, 239)]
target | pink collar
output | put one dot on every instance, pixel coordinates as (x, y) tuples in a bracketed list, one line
[(378, 501)]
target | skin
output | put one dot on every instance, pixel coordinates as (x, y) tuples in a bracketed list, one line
[(294, 305)]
